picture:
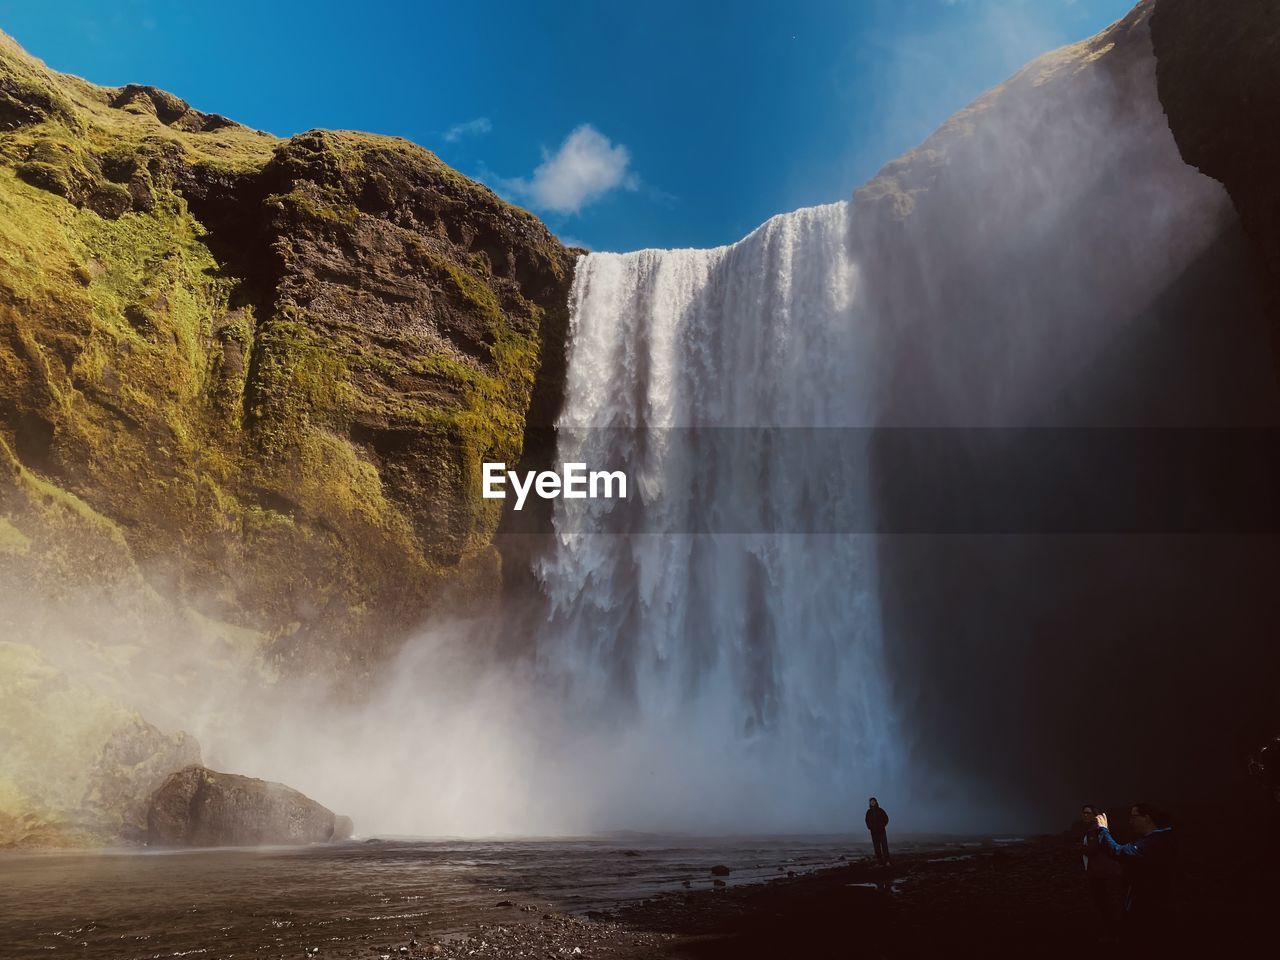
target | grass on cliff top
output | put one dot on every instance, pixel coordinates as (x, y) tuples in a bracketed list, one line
[(350, 148), (83, 106), (86, 110)]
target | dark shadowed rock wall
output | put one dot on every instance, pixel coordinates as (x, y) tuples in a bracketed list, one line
[(1219, 76), (1049, 262)]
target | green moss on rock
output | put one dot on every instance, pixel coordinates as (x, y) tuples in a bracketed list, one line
[(271, 366)]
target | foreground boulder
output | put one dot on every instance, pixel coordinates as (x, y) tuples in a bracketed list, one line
[(199, 807)]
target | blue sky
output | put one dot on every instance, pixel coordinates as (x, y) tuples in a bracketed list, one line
[(665, 123)]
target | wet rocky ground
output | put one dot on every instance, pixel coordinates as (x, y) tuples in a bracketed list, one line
[(1023, 899), (414, 901)]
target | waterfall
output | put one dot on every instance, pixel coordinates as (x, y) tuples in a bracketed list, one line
[(750, 663), (1027, 267)]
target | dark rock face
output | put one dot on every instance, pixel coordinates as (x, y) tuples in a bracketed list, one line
[(198, 807), (1218, 66), (1049, 261)]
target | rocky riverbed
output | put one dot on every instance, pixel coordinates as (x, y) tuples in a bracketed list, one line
[(595, 898), (374, 897)]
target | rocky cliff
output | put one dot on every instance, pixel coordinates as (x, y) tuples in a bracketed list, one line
[(245, 387), (272, 366), (1219, 75)]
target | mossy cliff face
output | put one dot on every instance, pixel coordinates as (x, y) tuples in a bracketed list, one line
[(1219, 75), (267, 369)]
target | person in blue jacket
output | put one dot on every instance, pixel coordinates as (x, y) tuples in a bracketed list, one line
[(1148, 867)]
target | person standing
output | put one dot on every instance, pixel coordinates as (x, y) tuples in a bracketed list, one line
[(1102, 873), (1148, 871), (878, 824)]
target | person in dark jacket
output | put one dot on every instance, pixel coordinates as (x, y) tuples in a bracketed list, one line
[(1148, 869), (878, 824), (1102, 872)]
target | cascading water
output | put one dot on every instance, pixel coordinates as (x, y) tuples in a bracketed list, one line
[(750, 663)]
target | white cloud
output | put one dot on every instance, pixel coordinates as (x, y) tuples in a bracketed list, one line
[(471, 128), (586, 167)]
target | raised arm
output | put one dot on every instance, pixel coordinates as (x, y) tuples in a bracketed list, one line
[(1107, 842)]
